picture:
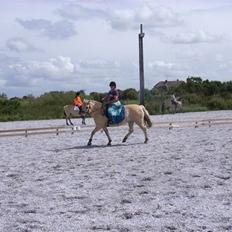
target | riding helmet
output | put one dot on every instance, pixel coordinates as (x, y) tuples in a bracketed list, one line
[(112, 84)]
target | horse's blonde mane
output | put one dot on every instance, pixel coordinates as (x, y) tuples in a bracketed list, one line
[(90, 100), (93, 101)]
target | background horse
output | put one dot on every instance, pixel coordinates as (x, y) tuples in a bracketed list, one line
[(133, 114), (70, 112), (174, 107)]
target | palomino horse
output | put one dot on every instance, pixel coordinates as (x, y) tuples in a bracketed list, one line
[(70, 112), (133, 114)]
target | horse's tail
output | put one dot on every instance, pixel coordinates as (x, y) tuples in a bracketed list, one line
[(147, 118)]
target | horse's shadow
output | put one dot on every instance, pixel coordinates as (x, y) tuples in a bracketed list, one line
[(86, 147)]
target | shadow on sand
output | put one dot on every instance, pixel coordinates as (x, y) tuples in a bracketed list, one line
[(96, 146)]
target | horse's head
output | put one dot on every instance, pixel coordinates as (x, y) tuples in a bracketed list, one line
[(90, 106), (85, 105)]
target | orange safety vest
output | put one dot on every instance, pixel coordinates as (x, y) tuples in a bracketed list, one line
[(77, 101)]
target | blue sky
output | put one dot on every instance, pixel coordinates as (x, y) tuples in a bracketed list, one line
[(48, 45)]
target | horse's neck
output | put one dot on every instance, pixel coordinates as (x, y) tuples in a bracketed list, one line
[(97, 108), (97, 105)]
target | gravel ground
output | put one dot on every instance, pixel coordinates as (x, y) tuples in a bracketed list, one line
[(180, 181)]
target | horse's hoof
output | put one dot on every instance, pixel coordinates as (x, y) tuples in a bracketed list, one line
[(146, 140), (89, 143), (124, 140), (109, 143)]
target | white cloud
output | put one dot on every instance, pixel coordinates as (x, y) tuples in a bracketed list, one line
[(82, 11), (165, 70), (62, 29), (193, 37), (7, 60), (124, 18), (109, 33), (18, 44), (226, 66), (19, 73), (62, 73), (97, 64), (54, 68), (161, 65)]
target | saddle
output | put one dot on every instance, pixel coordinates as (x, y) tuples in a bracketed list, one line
[(116, 112), (76, 108)]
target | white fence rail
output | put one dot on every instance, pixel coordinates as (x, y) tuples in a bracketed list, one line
[(64, 129), (39, 130), (194, 123)]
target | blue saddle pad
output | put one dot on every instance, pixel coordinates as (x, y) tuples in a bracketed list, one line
[(116, 112)]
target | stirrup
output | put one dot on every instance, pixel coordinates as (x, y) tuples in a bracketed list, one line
[(109, 123)]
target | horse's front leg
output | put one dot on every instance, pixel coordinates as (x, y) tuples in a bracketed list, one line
[(131, 124), (70, 121), (83, 120), (108, 136), (67, 121), (92, 134)]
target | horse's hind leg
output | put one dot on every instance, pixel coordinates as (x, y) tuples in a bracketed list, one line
[(144, 129), (131, 124)]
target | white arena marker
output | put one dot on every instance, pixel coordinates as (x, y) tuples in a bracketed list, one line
[(76, 128)]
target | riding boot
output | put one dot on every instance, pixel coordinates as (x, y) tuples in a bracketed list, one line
[(109, 122)]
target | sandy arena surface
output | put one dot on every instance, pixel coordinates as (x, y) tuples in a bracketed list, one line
[(180, 181)]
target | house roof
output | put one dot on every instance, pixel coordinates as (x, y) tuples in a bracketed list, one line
[(168, 84)]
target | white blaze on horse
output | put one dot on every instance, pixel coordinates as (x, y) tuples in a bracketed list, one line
[(70, 112), (133, 114)]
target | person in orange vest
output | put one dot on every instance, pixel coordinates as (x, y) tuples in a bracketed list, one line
[(77, 102)]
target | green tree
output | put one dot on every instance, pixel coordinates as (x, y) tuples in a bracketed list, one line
[(96, 96), (3, 96), (193, 84), (129, 94)]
